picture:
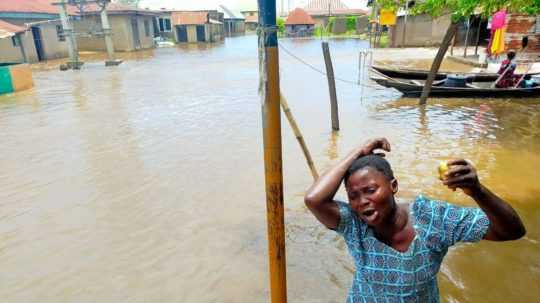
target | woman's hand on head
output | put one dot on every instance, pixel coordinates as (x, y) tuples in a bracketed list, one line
[(371, 145), (462, 174)]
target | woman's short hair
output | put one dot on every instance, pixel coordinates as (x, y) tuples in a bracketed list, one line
[(377, 162)]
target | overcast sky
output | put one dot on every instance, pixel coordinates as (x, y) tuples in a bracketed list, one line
[(232, 4)]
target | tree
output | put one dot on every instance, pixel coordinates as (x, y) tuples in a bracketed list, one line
[(459, 10)]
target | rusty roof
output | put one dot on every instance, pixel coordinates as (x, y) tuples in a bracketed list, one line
[(325, 5), (28, 6), (47, 7), (9, 30), (189, 17), (252, 19), (299, 16), (115, 9), (331, 7)]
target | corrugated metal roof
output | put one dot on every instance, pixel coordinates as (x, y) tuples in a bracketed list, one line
[(299, 16), (337, 12), (229, 14), (189, 17), (325, 5), (46, 7), (115, 8), (9, 30), (332, 7)]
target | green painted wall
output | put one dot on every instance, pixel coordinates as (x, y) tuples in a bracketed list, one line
[(6, 85)]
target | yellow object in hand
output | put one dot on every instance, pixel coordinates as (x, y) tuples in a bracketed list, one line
[(443, 169)]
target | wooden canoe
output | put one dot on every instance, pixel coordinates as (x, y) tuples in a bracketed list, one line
[(413, 88), (393, 72)]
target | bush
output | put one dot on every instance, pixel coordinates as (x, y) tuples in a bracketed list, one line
[(281, 25), (351, 23), (330, 25)]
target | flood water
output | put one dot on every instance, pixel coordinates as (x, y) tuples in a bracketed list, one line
[(144, 182)]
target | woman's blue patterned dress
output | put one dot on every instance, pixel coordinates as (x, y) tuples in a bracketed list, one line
[(384, 274)]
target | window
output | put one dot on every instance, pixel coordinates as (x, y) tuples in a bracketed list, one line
[(146, 28), (15, 41), (60, 33), (161, 26), (164, 24)]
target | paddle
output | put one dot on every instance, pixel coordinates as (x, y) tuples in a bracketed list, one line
[(502, 75), (523, 76)]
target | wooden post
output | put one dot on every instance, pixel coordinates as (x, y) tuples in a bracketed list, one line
[(450, 33), (273, 167), (478, 35), (467, 38), (405, 23), (299, 137), (331, 86)]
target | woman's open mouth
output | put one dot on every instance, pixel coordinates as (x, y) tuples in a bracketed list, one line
[(370, 215)]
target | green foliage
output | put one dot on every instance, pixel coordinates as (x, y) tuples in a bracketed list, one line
[(330, 25), (351, 23), (465, 8), (281, 25)]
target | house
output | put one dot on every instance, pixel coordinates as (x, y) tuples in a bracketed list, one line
[(234, 23), (132, 29), (44, 37), (299, 24), (322, 10), (521, 27), (163, 25), (251, 20), (197, 26), (14, 43)]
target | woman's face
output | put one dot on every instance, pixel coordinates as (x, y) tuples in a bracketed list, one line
[(371, 195)]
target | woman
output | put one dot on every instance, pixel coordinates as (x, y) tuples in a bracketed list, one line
[(507, 69), (398, 249)]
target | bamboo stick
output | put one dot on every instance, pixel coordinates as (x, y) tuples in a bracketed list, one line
[(298, 135)]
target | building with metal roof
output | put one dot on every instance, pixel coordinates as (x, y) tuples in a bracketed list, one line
[(197, 26), (299, 23), (234, 22)]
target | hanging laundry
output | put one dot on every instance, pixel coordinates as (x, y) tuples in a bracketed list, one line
[(499, 19), (497, 43), (387, 17)]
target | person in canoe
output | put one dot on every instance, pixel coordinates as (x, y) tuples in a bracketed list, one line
[(398, 248), (507, 69)]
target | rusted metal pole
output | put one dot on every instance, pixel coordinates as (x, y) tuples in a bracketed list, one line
[(271, 122), (299, 137), (331, 86)]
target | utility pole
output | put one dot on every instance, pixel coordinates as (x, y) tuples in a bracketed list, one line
[(74, 62), (273, 165), (107, 33), (73, 52)]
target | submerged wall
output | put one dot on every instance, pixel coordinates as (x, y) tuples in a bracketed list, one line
[(15, 77)]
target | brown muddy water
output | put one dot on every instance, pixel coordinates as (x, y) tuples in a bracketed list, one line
[(144, 183)]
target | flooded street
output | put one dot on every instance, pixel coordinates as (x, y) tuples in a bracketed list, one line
[(144, 182)]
